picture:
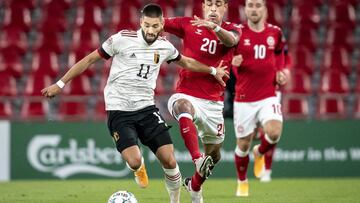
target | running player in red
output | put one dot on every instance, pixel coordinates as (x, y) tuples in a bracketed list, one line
[(258, 64), (199, 100), (265, 175)]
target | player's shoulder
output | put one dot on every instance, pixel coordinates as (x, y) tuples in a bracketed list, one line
[(273, 27), (231, 25), (128, 33), (182, 19)]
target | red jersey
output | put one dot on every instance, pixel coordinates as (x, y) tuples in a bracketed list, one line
[(261, 52), (204, 46)]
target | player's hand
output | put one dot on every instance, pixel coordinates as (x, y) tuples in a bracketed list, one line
[(281, 78), (51, 91), (237, 60), (221, 73), (203, 23)]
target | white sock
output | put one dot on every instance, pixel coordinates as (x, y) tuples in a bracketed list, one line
[(173, 183)]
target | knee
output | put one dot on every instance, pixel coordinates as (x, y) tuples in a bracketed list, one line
[(273, 133), (183, 106), (170, 162), (134, 163)]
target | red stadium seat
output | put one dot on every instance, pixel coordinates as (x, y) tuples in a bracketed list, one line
[(331, 107), (73, 103), (306, 14), (299, 84), (18, 16), (35, 107), (53, 12), (85, 39), (45, 63), (334, 82), (124, 16), (295, 107), (275, 15), (304, 38), (49, 40), (89, 16), (303, 60), (336, 59), (340, 36), (193, 7), (168, 6), (13, 37), (6, 111), (343, 14)]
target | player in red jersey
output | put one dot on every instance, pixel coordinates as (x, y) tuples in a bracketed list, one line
[(258, 64), (198, 102), (265, 175)]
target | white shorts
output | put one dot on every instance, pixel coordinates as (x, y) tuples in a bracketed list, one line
[(248, 114), (208, 118)]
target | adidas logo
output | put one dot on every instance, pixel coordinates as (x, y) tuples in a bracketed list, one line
[(133, 55)]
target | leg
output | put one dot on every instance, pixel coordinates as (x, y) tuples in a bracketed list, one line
[(241, 164), (184, 111), (135, 163), (165, 154)]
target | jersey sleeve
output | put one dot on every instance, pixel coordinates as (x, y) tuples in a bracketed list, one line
[(174, 54), (175, 26), (110, 47)]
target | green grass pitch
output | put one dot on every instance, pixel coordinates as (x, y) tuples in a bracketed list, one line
[(215, 191)]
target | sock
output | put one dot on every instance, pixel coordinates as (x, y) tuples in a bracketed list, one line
[(189, 134), (196, 182), (173, 183), (268, 158), (266, 144), (241, 163), (172, 178)]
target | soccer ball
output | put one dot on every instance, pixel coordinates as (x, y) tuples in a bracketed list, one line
[(122, 197)]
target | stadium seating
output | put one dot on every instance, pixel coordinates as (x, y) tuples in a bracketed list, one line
[(40, 39), (35, 107)]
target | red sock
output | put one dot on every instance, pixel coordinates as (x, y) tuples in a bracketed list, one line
[(196, 182), (268, 158), (241, 164), (189, 135), (265, 145)]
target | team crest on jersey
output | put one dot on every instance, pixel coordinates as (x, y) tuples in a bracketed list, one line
[(198, 31), (247, 42), (156, 57), (271, 42)]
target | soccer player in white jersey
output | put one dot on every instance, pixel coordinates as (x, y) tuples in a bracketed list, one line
[(129, 94)]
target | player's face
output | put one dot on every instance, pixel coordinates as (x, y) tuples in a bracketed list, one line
[(255, 10), (214, 10), (151, 28)]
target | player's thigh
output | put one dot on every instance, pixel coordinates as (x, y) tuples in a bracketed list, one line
[(122, 130), (270, 111), (153, 131), (245, 118), (210, 121)]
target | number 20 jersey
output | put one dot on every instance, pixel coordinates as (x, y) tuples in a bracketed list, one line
[(134, 69), (203, 45)]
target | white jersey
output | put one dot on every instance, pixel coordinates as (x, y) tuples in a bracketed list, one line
[(134, 69)]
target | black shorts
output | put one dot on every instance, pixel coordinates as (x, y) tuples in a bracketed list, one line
[(146, 124)]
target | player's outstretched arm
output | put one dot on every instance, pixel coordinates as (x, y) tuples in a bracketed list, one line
[(193, 65), (228, 38), (74, 71)]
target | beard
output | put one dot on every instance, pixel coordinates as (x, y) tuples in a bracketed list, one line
[(149, 40)]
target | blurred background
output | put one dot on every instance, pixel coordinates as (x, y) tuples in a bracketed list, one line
[(41, 39)]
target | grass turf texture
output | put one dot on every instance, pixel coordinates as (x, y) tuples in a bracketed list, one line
[(215, 191)]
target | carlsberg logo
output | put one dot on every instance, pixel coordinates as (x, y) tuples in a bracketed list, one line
[(45, 155)]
